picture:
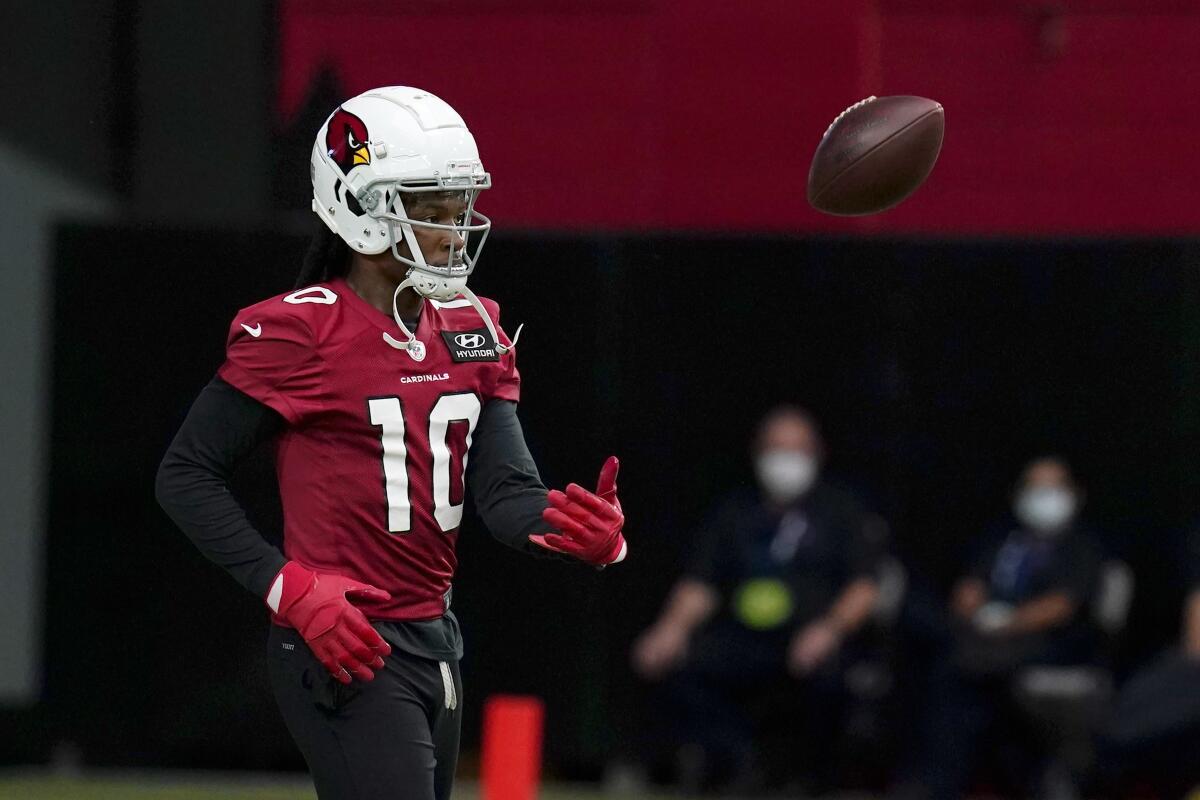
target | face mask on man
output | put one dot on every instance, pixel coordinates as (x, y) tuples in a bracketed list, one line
[(1045, 509), (785, 474)]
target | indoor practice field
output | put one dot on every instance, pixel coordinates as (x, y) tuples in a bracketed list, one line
[(167, 786), (600, 400), (189, 786)]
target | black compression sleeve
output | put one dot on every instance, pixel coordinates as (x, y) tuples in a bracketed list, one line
[(504, 481), (221, 428)]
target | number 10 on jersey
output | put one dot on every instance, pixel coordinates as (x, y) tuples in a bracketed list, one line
[(387, 413)]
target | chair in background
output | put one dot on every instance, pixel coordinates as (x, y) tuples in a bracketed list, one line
[(1066, 704)]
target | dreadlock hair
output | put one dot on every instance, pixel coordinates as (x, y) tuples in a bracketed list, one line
[(328, 257)]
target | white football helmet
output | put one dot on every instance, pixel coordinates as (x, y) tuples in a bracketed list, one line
[(371, 156)]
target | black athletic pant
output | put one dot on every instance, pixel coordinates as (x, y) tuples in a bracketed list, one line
[(393, 738)]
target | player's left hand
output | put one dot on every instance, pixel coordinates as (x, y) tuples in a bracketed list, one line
[(589, 523)]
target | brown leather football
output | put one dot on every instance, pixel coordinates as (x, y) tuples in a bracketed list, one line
[(875, 154)]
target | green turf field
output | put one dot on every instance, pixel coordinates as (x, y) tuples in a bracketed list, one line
[(166, 787), (31, 788)]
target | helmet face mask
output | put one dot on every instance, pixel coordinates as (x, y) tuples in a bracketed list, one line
[(432, 278)]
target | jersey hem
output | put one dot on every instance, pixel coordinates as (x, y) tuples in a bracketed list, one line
[(275, 620)]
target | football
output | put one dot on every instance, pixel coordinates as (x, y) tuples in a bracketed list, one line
[(875, 154)]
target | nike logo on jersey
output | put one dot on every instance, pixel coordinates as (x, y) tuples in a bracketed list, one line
[(256, 331), (474, 345)]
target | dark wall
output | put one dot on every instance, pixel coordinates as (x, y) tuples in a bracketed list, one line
[(203, 120), (936, 368), (166, 104), (61, 76)]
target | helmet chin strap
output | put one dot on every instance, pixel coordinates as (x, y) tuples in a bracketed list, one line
[(413, 346), (410, 338), (487, 322)]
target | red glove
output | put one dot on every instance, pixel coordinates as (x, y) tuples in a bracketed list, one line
[(336, 631), (590, 524)]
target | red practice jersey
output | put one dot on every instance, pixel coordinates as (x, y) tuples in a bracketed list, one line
[(371, 465)]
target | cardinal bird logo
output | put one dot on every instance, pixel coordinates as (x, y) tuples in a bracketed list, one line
[(346, 140)]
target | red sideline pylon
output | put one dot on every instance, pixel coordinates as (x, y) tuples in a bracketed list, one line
[(512, 747)]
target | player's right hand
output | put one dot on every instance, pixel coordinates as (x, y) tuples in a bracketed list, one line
[(339, 635)]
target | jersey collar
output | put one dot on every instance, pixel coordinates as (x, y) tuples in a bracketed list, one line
[(373, 315)]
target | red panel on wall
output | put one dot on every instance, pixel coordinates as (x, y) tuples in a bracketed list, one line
[(562, 104), (1081, 124), (650, 114)]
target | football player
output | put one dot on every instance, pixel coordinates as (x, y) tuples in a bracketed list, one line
[(388, 388)]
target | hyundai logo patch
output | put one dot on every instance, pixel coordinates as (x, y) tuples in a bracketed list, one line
[(476, 345)]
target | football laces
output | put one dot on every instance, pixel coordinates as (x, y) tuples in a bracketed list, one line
[(838, 118)]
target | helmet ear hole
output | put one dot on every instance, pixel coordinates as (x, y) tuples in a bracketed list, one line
[(352, 204)]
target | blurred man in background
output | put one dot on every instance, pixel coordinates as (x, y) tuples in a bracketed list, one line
[(1152, 733), (1024, 601), (780, 577)]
